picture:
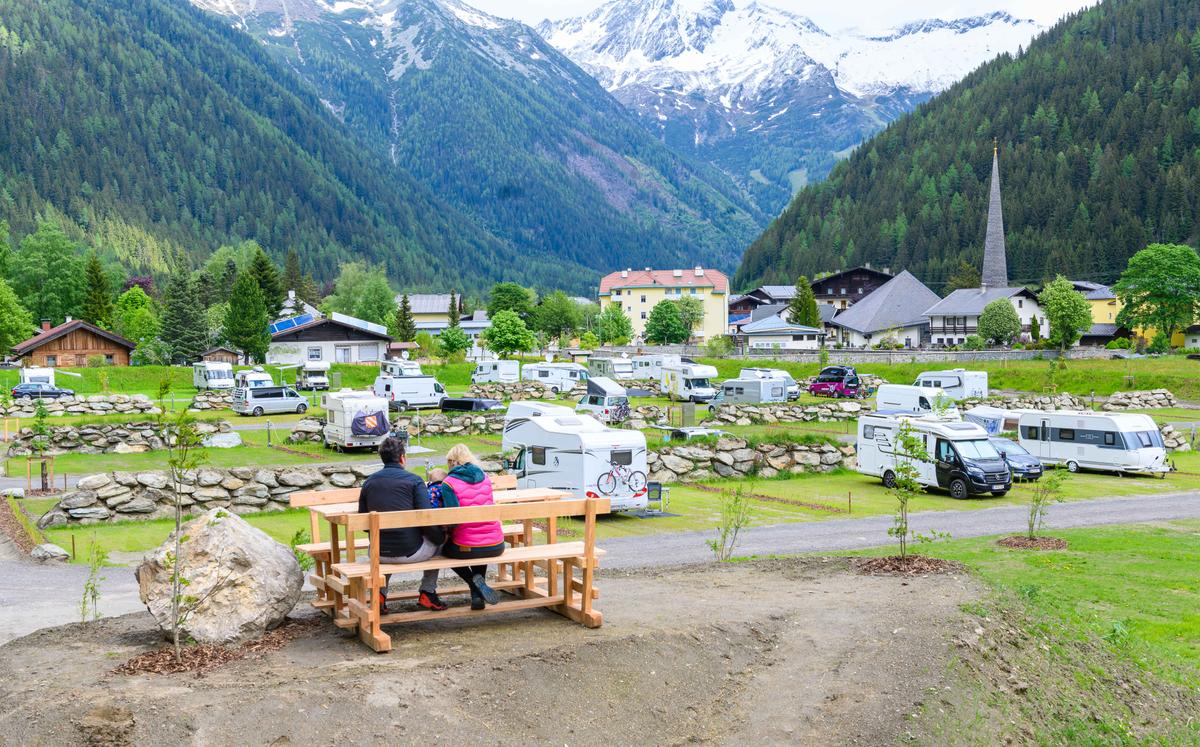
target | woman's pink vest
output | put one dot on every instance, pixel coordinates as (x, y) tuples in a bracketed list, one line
[(479, 533)]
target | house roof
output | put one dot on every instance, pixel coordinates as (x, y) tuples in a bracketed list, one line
[(316, 323), (1093, 291), (665, 279), (885, 276), (828, 311), (427, 303), (970, 301), (40, 339), (219, 349), (897, 303), (767, 310), (1103, 330), (775, 325)]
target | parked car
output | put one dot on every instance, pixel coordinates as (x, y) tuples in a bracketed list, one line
[(265, 400), (837, 381), (470, 404), (1022, 464), (40, 390)]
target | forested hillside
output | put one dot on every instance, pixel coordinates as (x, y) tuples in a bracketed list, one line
[(1098, 126), (157, 133)]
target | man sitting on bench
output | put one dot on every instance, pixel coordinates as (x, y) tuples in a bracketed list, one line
[(394, 488)]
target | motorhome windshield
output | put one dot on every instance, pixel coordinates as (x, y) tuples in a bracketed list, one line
[(697, 384), (976, 449), (217, 374)]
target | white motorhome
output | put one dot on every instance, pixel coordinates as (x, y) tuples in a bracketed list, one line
[(957, 383), (37, 375), (752, 390), (650, 367), (1109, 442), (559, 448), (494, 370), (212, 375), (961, 458), (252, 378), (606, 400), (355, 420), (395, 367), (793, 387), (405, 392), (620, 369), (560, 377), (919, 400), (313, 375), (691, 382)]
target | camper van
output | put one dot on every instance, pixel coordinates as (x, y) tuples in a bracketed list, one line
[(396, 367), (1109, 442), (355, 420), (313, 375), (957, 383), (961, 458), (212, 375), (560, 377), (650, 367), (267, 400), (900, 398), (606, 400), (405, 392), (793, 388), (37, 375), (751, 390), (691, 382), (504, 372), (559, 448), (252, 378), (620, 369)]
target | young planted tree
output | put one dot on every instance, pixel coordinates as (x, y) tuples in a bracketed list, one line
[(904, 484), (1035, 329), (735, 516), (405, 325), (664, 327), (246, 323), (613, 326), (999, 323), (1044, 492), (1067, 311), (802, 309), (508, 335), (97, 304)]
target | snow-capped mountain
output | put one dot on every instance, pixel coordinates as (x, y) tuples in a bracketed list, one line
[(767, 94)]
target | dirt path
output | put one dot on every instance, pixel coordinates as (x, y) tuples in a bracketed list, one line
[(801, 652)]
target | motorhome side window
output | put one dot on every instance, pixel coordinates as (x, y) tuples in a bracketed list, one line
[(923, 404), (543, 374), (623, 458), (868, 431), (537, 455), (1110, 439), (1066, 434), (1031, 432)]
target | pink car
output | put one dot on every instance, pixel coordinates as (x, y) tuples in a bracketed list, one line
[(836, 381)]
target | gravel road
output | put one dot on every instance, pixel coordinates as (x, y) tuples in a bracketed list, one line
[(36, 596)]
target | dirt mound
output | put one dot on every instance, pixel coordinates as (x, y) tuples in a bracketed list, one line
[(1036, 543), (909, 565)]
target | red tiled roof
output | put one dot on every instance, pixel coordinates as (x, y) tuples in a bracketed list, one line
[(665, 279), (54, 333)]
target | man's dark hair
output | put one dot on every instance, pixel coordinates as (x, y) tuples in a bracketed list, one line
[(391, 450)]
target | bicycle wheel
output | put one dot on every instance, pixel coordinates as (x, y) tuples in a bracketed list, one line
[(637, 481), (607, 483)]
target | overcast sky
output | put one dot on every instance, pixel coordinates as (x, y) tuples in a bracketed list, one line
[(867, 14)]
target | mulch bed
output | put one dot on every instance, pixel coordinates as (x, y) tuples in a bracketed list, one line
[(200, 658), (913, 565), (1037, 543)]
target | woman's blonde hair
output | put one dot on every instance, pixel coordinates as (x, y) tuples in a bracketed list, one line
[(460, 454)]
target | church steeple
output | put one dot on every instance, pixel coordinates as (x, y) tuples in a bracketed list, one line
[(995, 260)]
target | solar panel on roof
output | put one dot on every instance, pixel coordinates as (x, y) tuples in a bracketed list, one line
[(378, 329), (294, 321)]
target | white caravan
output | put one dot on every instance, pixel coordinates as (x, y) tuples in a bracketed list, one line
[(559, 448), (396, 367), (918, 400), (505, 372), (958, 383), (1110, 442), (405, 392), (37, 375), (691, 382), (752, 390), (606, 400), (560, 377), (620, 369), (212, 375), (650, 367), (252, 378), (313, 375), (355, 420), (961, 458), (793, 388)]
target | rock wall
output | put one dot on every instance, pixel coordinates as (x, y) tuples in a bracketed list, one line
[(644, 416), (107, 438), (734, 457), (436, 424), (1175, 440), (97, 404), (521, 390), (786, 412), (1061, 401), (212, 400), (123, 496), (1146, 400)]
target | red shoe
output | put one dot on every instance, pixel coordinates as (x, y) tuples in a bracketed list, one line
[(382, 600), (430, 601)]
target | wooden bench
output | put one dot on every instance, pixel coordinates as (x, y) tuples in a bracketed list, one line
[(358, 583)]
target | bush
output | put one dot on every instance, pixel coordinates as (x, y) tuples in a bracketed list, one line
[(96, 361), (1160, 344), (1121, 343), (1018, 346), (974, 342), (718, 347)]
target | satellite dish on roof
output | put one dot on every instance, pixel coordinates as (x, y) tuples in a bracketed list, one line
[(404, 355)]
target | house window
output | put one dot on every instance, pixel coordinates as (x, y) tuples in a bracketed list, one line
[(617, 292), (314, 353), (643, 315), (109, 359), (51, 360), (843, 291), (1020, 303), (692, 291), (643, 299)]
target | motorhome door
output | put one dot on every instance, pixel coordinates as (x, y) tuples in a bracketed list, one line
[(945, 462)]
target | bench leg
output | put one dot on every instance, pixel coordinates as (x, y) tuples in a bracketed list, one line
[(581, 611)]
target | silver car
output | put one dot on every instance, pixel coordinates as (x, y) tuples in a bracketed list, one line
[(267, 400)]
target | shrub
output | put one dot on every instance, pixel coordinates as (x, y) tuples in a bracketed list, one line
[(1121, 343), (974, 342), (718, 347), (1160, 344)]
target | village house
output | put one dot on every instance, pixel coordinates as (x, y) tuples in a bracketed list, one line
[(221, 354), (638, 291), (335, 339), (775, 332), (893, 312), (74, 343), (846, 288)]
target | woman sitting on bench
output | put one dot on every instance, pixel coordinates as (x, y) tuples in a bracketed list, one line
[(467, 485)]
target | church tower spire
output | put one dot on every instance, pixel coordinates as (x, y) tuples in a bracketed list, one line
[(995, 260)]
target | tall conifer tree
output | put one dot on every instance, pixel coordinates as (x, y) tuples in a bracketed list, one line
[(97, 304), (406, 326), (184, 328), (246, 323)]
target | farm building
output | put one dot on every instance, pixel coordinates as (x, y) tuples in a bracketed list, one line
[(72, 344)]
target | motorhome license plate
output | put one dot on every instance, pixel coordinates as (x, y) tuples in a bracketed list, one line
[(997, 487)]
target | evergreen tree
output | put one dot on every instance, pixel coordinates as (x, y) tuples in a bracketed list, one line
[(270, 284), (246, 323), (184, 326), (1035, 329), (453, 310), (966, 275), (664, 327), (292, 278), (802, 309), (406, 326), (97, 305), (16, 324)]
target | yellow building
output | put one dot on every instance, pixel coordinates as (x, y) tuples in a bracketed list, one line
[(637, 291), (1105, 304)]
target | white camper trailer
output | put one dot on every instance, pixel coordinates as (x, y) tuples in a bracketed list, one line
[(650, 367), (252, 378), (558, 448), (355, 420), (212, 375), (752, 390), (691, 382), (560, 377), (504, 372), (917, 400), (957, 383), (396, 368), (793, 387), (620, 369), (1109, 442), (606, 400), (313, 375), (961, 458), (405, 392), (37, 375)]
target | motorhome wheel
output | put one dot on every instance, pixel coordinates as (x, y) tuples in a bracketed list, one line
[(889, 479), (554, 389), (402, 405), (958, 488), (1072, 466), (257, 412), (302, 408)]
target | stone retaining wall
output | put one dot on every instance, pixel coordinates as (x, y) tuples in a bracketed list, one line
[(1175, 440), (1145, 400), (436, 424), (731, 414), (734, 457), (122, 496), (97, 404), (521, 390), (1061, 401), (106, 438), (212, 400)]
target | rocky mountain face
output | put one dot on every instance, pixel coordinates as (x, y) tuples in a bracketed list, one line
[(768, 95)]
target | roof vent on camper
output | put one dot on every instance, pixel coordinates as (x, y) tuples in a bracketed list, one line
[(678, 273), (699, 271)]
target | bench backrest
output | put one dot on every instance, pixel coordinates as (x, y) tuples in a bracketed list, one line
[(504, 482), (447, 516), (306, 498)]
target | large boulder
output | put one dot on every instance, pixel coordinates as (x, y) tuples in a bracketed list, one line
[(246, 582)]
